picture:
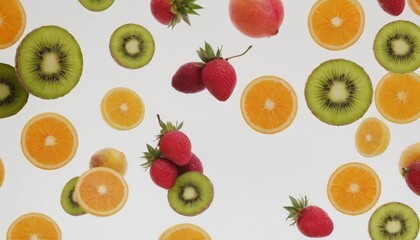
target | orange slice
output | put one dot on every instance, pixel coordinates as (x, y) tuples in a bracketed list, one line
[(336, 24), (185, 231), (12, 22), (268, 104), (34, 226), (415, 6), (372, 137), (101, 191), (2, 172), (409, 155), (354, 188), (397, 97), (49, 141), (122, 108)]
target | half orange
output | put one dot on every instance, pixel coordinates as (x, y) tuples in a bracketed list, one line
[(49, 141), (2, 172), (185, 231), (415, 6), (268, 104), (372, 137), (12, 22), (354, 188), (336, 24), (33, 226)]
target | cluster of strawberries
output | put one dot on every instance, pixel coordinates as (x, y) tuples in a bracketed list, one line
[(172, 157)]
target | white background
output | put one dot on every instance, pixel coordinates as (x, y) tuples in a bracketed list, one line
[(253, 174)]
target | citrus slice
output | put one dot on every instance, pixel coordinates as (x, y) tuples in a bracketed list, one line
[(12, 22), (268, 104), (122, 108), (354, 188), (372, 137), (336, 24), (101, 191), (49, 141), (397, 97), (34, 226), (185, 231), (2, 172), (409, 155), (415, 6)]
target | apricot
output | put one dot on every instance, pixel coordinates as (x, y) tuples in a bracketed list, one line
[(110, 158)]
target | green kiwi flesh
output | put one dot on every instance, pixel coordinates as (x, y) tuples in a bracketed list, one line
[(132, 46), (68, 203), (49, 62), (191, 194), (393, 221), (338, 92), (96, 5), (13, 96), (397, 46)]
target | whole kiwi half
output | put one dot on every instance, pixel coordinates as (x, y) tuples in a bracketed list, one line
[(132, 46), (49, 62), (13, 96), (397, 46), (394, 221), (338, 92), (96, 5), (68, 203)]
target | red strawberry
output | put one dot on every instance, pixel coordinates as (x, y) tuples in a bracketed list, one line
[(187, 79), (170, 12), (312, 221), (412, 176), (174, 144), (393, 7), (218, 74), (162, 171), (193, 165)]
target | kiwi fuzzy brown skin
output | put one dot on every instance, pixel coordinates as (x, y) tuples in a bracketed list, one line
[(17, 95)]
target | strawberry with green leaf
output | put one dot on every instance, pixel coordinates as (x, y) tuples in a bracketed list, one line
[(171, 12)]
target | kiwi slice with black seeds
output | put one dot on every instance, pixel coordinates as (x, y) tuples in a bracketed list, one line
[(96, 5), (191, 194), (338, 92), (397, 46), (49, 62), (394, 221), (13, 96), (132, 46), (68, 203)]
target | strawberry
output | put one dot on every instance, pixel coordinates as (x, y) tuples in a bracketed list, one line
[(392, 7), (174, 144), (187, 79), (218, 74), (193, 165), (311, 220), (170, 12), (162, 171), (412, 176)]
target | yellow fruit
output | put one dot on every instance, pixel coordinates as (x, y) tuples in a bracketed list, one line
[(12, 22), (415, 6), (2, 172), (34, 226), (111, 158), (268, 104), (372, 137), (185, 231), (409, 155)]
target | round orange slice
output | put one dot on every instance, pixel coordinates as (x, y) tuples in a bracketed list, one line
[(354, 188), (49, 141), (34, 226), (101, 191), (336, 24), (2, 172), (372, 137), (268, 104), (122, 108), (415, 6), (397, 97), (12, 22), (409, 155), (185, 231)]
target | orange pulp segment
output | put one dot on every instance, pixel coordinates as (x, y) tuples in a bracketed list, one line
[(397, 97), (372, 137), (268, 104), (336, 24), (185, 231), (101, 191), (2, 172), (49, 141), (409, 155), (415, 6), (12, 22), (34, 226), (122, 108), (354, 188)]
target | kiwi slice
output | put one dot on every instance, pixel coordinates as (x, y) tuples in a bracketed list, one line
[(397, 46), (68, 203), (191, 194), (13, 96), (393, 221), (132, 46), (338, 92), (96, 5), (49, 62)]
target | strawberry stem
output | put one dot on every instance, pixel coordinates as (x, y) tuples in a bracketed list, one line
[(250, 46)]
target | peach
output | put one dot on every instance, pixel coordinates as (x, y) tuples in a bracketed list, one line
[(111, 158)]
